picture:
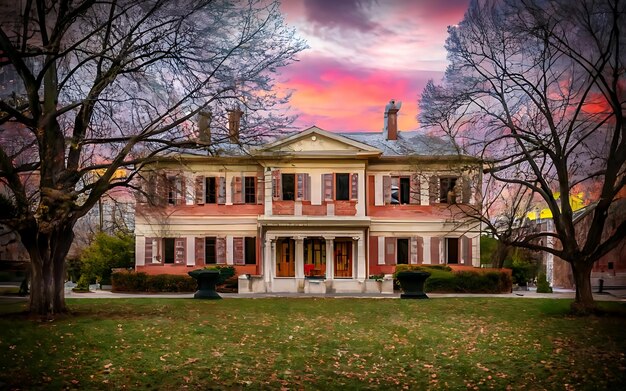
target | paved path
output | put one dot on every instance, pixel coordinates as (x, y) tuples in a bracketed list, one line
[(558, 294)]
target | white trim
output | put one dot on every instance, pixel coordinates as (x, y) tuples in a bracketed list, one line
[(140, 250), (378, 190), (381, 250)]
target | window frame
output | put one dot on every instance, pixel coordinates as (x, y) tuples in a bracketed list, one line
[(340, 178), (247, 258), (206, 250), (285, 194), (246, 188), (408, 254), (210, 192), (451, 182)]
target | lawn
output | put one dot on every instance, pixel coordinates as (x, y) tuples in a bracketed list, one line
[(447, 343)]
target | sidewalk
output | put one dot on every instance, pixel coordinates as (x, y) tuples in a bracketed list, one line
[(530, 294)]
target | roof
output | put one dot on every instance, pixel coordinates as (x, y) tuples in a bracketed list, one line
[(408, 143)]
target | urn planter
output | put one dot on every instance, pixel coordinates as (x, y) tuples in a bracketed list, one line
[(412, 284), (206, 283)]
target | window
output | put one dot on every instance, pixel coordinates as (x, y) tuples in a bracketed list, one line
[(342, 184), (174, 191), (343, 258), (402, 256), (452, 250), (209, 251), (446, 190), (405, 190), (288, 187), (401, 190), (168, 250), (249, 190), (211, 190), (315, 257), (250, 251)]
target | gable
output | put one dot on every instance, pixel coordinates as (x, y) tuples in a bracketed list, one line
[(316, 141)]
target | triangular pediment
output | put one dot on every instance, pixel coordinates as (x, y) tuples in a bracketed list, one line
[(314, 142)]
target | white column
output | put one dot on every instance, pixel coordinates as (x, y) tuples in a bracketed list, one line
[(229, 188), (378, 190), (299, 257), (427, 255), (360, 206), (140, 250), (381, 250), (272, 268), (424, 191), (229, 250), (191, 251), (316, 189), (361, 266), (267, 260), (330, 258)]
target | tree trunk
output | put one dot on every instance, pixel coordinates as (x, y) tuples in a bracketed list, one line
[(584, 303), (47, 253)]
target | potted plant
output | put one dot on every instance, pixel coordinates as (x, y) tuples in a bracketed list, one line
[(207, 278), (411, 279)]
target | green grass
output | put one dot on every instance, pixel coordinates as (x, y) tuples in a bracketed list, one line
[(452, 343)]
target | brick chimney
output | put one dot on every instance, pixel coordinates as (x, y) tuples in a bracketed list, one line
[(234, 120), (391, 120), (204, 127)]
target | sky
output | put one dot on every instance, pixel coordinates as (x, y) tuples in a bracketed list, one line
[(362, 54)]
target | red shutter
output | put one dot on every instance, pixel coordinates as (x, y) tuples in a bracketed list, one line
[(260, 189), (354, 188), (466, 190), (199, 251), (467, 250), (327, 186), (434, 250), (276, 186), (221, 190), (433, 189), (220, 250), (420, 249), (148, 250), (238, 258), (307, 194), (415, 197), (386, 189), (390, 251), (237, 190), (200, 190), (179, 250), (413, 250), (181, 197)]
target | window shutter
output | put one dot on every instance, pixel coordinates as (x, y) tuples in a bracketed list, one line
[(387, 190), (395, 183), (415, 197), (260, 189), (300, 186), (458, 190), (466, 190), (434, 250), (161, 190), (433, 189), (390, 251), (149, 257), (354, 186), (179, 248), (327, 180), (237, 193), (221, 190), (199, 252), (200, 190), (276, 186), (238, 258), (220, 250), (467, 249), (307, 194), (413, 250)]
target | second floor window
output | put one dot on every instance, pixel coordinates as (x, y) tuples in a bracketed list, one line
[(446, 190), (249, 190), (211, 190), (288, 187), (342, 187)]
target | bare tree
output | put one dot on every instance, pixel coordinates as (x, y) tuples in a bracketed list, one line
[(110, 84), (537, 89)]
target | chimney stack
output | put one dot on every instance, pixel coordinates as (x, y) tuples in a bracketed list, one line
[(204, 126), (234, 120), (391, 120)]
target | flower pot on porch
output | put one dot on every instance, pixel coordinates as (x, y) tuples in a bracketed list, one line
[(412, 284), (206, 283)]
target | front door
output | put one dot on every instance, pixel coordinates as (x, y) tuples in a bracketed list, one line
[(343, 258), (285, 259)]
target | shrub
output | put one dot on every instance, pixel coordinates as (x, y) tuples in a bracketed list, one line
[(129, 281), (226, 272), (107, 252), (522, 271), (442, 279), (542, 284)]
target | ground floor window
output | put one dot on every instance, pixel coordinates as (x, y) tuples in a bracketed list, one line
[(343, 258), (250, 251), (168, 250), (285, 258), (402, 256), (314, 257), (209, 251), (452, 250)]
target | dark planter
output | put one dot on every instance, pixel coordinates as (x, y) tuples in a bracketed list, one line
[(412, 284), (206, 283)]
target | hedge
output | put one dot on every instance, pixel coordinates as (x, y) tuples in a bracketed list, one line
[(130, 281), (443, 280)]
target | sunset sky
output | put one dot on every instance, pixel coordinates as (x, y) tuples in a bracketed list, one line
[(363, 53)]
